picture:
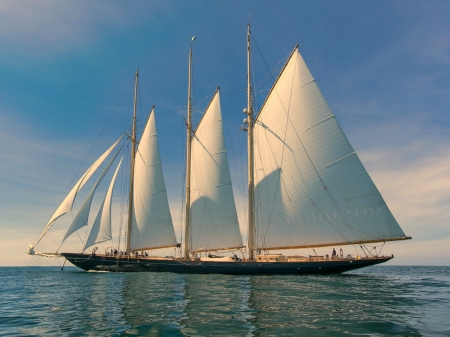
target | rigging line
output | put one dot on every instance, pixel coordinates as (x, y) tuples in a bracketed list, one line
[(270, 73), (233, 93), (183, 186), (140, 119), (284, 141), (309, 198), (310, 160), (123, 187), (206, 212), (218, 71), (220, 66), (193, 92), (164, 85), (125, 194), (152, 83), (265, 232), (202, 182), (264, 226), (253, 92), (92, 147), (232, 153), (282, 157), (171, 112), (264, 229), (322, 213), (243, 194)]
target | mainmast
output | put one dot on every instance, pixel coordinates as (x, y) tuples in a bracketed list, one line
[(188, 158), (249, 112), (133, 155)]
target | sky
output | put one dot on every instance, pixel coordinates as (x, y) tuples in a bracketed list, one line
[(66, 91)]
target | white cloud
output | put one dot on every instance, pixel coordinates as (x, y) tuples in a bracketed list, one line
[(44, 24), (414, 180), (45, 27)]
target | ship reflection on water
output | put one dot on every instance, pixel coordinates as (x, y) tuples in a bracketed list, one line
[(220, 305), (400, 301)]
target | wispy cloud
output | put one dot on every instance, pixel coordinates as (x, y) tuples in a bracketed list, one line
[(45, 27), (414, 182), (44, 24), (28, 159)]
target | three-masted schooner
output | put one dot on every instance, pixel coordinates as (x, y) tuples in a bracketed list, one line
[(307, 188)]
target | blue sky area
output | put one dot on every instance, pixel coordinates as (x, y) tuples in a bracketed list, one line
[(66, 82)]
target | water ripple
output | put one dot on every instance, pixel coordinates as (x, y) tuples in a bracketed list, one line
[(377, 301)]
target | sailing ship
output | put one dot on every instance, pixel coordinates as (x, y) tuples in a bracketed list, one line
[(307, 188)]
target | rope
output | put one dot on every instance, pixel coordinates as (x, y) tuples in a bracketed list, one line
[(314, 167), (92, 147)]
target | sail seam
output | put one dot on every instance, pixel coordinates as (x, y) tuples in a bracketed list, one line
[(334, 162), (323, 120), (223, 184), (310, 160)]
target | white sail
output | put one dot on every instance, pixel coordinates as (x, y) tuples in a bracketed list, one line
[(81, 219), (66, 205), (213, 220), (310, 186), (101, 229), (151, 225)]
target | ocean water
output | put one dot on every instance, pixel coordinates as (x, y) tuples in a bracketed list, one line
[(376, 301)]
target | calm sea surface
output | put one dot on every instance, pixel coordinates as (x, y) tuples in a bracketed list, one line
[(376, 301)]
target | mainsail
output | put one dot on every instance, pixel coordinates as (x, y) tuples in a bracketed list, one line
[(66, 205), (101, 229), (311, 189), (81, 219), (151, 225), (213, 219)]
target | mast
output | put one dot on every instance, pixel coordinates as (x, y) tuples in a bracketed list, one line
[(188, 158), (133, 155), (249, 112)]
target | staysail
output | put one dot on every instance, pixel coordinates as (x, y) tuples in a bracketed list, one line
[(311, 189), (81, 219), (66, 205), (101, 229), (151, 225), (213, 220)]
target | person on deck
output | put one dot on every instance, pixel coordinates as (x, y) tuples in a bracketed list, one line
[(334, 253)]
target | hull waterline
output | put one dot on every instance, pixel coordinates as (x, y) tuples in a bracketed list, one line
[(89, 262)]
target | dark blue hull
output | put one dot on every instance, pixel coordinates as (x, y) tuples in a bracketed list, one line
[(112, 264)]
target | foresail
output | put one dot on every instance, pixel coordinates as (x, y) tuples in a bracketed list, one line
[(101, 229), (66, 205), (213, 222), (81, 219), (311, 189), (151, 225)]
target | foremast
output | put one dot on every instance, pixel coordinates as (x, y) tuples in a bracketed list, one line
[(249, 112), (133, 159), (188, 158)]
